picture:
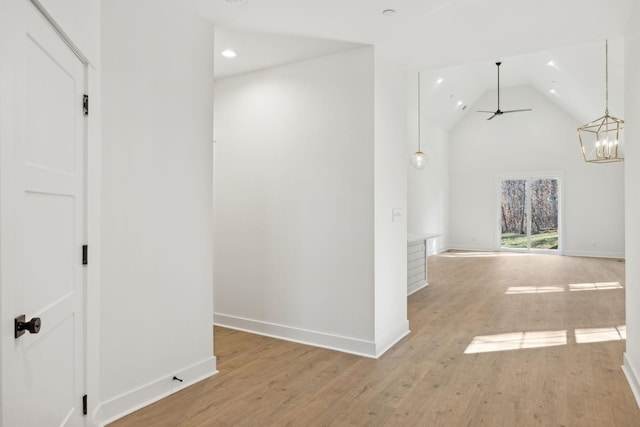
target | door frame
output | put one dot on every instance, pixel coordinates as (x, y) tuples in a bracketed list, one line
[(92, 207), (559, 175)]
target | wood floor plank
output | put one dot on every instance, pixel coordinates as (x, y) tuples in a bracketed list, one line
[(546, 351)]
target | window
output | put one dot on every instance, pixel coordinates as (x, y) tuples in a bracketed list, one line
[(529, 213)]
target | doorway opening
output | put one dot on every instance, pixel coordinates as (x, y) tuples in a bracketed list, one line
[(530, 213)]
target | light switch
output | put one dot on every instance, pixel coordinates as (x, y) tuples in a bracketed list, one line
[(396, 214)]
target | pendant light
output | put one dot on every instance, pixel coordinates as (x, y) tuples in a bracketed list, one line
[(418, 159), (600, 139)]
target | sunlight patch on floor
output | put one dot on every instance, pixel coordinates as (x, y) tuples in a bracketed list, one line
[(516, 341), (594, 286), (480, 254), (537, 339), (516, 290), (591, 335), (573, 287)]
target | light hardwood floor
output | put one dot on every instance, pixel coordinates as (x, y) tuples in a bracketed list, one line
[(427, 379)]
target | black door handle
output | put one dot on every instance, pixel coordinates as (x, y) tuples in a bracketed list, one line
[(21, 325)]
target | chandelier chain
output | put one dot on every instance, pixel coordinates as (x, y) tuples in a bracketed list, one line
[(606, 76)]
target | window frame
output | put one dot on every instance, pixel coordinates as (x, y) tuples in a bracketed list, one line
[(528, 177)]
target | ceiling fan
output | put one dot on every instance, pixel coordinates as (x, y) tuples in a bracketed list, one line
[(499, 112)]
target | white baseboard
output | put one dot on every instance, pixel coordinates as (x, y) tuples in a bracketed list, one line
[(415, 288), (131, 401), (440, 250), (303, 336), (595, 254), (592, 254), (476, 248), (632, 377), (389, 339)]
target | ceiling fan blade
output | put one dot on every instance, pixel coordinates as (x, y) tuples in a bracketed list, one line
[(498, 112), (516, 111)]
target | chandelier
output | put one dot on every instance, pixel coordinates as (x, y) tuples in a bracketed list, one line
[(600, 139)]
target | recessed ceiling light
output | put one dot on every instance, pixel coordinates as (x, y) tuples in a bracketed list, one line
[(389, 12), (439, 81), (551, 64), (229, 53), (459, 103), (553, 91)]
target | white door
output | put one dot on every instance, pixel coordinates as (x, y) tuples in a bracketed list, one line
[(42, 218)]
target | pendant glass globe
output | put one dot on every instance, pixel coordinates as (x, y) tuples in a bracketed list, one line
[(418, 160)]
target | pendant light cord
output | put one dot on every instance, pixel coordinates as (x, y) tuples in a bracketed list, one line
[(606, 76), (419, 112)]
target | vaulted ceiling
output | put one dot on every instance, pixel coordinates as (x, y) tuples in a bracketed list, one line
[(571, 77), (548, 44)]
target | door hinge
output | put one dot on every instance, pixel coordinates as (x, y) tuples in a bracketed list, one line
[(85, 104), (85, 409), (85, 254)]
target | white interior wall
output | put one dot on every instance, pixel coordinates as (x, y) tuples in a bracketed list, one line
[(390, 180), (294, 201), (428, 189), (538, 141), (157, 203), (632, 199)]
